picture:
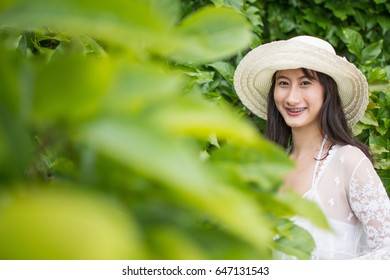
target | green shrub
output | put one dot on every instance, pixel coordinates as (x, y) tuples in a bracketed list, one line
[(121, 136)]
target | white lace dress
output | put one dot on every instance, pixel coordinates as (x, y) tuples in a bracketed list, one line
[(352, 196)]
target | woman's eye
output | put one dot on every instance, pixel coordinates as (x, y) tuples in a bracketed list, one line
[(305, 83), (283, 83)]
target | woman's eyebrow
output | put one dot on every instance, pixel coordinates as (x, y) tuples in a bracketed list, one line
[(285, 77), (281, 77)]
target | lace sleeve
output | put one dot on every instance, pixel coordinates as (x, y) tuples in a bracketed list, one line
[(371, 205)]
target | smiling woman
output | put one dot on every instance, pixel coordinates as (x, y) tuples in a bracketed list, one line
[(310, 98)]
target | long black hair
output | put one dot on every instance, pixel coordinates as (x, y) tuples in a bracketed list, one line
[(332, 118)]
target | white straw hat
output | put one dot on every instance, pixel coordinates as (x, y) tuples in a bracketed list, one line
[(252, 78)]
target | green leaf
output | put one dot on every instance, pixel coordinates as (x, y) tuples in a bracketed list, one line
[(172, 244), (293, 241), (209, 34), (61, 224), (369, 119), (137, 87), (313, 14), (254, 165), (143, 148), (237, 4), (252, 13), (340, 10), (360, 18), (225, 69), (354, 41), (385, 176), (287, 24), (384, 22), (15, 92), (131, 24), (383, 164), (15, 147), (358, 128), (372, 51), (372, 105), (381, 130), (169, 10), (377, 75), (377, 150), (69, 82), (196, 117), (305, 208), (376, 140), (202, 77)]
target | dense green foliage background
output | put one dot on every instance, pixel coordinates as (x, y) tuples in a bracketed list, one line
[(121, 136)]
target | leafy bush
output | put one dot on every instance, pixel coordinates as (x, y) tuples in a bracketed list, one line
[(110, 150), (121, 136)]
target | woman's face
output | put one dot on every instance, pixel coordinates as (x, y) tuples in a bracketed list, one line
[(298, 98)]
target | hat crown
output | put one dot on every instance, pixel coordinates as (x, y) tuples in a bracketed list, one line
[(315, 42)]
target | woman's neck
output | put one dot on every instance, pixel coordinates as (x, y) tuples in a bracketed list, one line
[(306, 143)]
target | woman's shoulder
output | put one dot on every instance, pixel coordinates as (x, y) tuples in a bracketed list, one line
[(349, 155), (349, 149), (349, 152)]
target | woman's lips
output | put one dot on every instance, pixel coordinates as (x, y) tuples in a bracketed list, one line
[(295, 111)]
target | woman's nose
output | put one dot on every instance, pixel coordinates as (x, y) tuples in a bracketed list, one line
[(293, 96)]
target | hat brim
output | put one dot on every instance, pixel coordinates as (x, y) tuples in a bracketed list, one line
[(252, 78)]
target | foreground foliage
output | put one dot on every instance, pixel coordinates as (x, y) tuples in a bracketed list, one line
[(121, 136)]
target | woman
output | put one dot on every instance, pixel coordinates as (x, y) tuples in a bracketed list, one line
[(311, 98)]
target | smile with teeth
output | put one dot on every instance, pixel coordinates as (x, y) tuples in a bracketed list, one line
[(295, 111)]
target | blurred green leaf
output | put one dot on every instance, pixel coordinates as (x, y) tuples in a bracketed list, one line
[(127, 23), (293, 241), (384, 22), (174, 245), (305, 208), (66, 89), (257, 165), (209, 34), (169, 10), (137, 87), (15, 147), (10, 99), (66, 224), (178, 169), (195, 117), (372, 51), (340, 10)]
